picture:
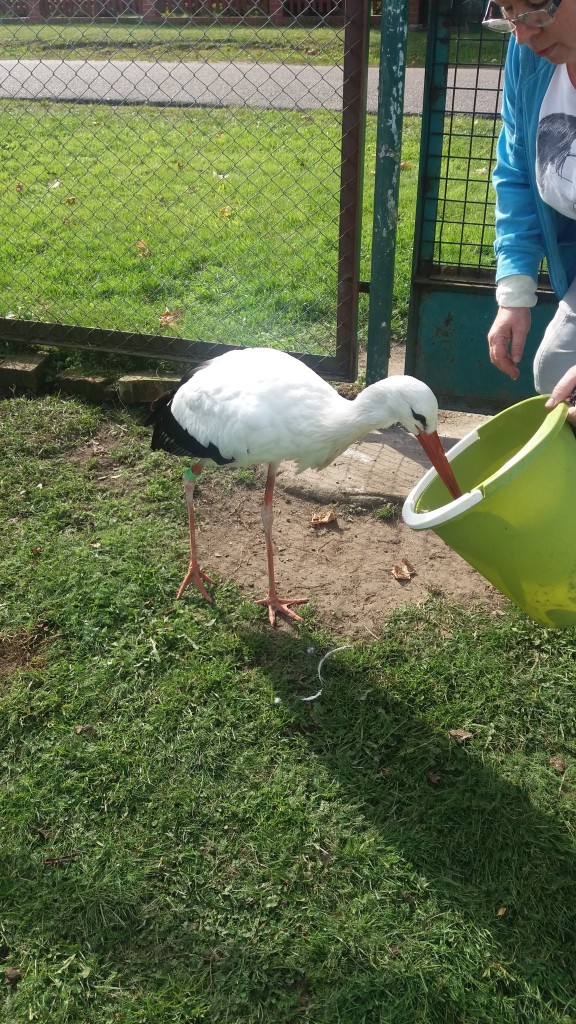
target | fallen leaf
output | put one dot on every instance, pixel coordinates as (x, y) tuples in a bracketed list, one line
[(70, 199), (460, 735), (168, 318), (502, 912), (404, 571), (434, 778), (405, 165), (323, 518), (225, 211), (45, 833), (558, 765), (56, 861), (143, 249), (84, 730), (19, 186), (12, 976)]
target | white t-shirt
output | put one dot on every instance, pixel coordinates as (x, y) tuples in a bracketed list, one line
[(556, 144)]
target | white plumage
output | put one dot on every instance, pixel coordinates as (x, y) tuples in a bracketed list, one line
[(260, 405)]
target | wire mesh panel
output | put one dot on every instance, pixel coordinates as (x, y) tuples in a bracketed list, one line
[(457, 231), (172, 171), (452, 297)]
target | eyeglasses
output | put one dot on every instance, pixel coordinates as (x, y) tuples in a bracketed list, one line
[(495, 18)]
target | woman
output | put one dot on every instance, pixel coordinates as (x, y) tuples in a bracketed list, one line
[(535, 181)]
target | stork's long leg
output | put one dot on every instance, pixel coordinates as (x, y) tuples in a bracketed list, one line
[(275, 603), (194, 574)]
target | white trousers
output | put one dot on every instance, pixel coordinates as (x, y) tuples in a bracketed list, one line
[(557, 351)]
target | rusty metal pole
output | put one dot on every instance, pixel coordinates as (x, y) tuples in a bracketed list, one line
[(394, 34)]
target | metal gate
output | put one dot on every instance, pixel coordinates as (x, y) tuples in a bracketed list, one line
[(170, 192), (452, 297)]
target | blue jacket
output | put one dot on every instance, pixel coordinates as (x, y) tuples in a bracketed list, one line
[(527, 229)]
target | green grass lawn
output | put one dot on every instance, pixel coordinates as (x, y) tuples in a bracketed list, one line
[(184, 840), (173, 42), (227, 216), (170, 41)]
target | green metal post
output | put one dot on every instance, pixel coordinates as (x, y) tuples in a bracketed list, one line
[(354, 88), (394, 34)]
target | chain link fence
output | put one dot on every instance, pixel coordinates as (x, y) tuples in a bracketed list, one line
[(171, 174)]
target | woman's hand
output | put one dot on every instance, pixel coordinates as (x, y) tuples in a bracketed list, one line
[(563, 392), (507, 337)]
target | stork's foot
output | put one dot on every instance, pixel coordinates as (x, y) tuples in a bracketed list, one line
[(197, 578), (281, 605)]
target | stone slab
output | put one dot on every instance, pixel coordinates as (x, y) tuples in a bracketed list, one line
[(23, 370), (139, 389), (94, 388)]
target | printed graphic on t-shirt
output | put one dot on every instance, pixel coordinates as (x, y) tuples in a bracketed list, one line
[(556, 162), (556, 144)]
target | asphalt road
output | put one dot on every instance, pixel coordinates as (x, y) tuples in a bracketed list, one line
[(227, 84)]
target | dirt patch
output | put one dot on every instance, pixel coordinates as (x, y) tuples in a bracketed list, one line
[(106, 471), (21, 650), (345, 569)]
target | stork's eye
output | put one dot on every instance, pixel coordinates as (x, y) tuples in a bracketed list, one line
[(419, 418)]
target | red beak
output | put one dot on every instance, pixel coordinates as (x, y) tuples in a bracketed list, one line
[(432, 445)]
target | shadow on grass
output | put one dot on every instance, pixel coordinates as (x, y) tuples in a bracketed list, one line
[(207, 902), (479, 840)]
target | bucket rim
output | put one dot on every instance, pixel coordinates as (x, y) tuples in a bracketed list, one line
[(429, 519), (444, 513)]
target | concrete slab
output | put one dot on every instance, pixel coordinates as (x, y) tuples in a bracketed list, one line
[(23, 370), (140, 389), (93, 388)]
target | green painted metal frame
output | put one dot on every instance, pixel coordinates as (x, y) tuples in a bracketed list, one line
[(393, 40), (354, 91), (451, 309)]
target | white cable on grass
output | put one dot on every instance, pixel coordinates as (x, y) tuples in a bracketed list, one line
[(329, 654)]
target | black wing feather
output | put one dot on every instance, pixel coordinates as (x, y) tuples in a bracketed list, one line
[(169, 436)]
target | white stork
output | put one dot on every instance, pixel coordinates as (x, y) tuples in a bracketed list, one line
[(257, 405)]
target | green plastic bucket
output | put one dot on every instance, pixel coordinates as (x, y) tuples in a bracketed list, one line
[(516, 520)]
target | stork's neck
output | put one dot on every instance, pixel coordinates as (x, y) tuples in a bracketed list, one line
[(375, 407)]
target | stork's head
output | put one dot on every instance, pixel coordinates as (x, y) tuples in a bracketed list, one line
[(415, 405), (416, 409)]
